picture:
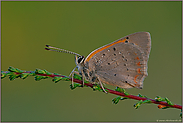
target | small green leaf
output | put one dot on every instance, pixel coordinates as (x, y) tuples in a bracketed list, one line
[(122, 90), (12, 69), (96, 87), (168, 101), (124, 98), (13, 76), (75, 85), (3, 74), (76, 76), (39, 71), (19, 71), (137, 105), (24, 75), (72, 87), (147, 101), (47, 73), (125, 92), (65, 78), (55, 73), (181, 114), (116, 100), (56, 79), (142, 96), (86, 81), (118, 89), (158, 98), (37, 78)]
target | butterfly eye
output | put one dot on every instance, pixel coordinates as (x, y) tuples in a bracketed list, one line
[(80, 59)]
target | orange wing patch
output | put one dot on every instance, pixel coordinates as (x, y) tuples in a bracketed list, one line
[(139, 64), (139, 70), (137, 58), (102, 48), (135, 78)]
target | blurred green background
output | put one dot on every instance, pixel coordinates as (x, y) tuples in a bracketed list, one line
[(82, 27)]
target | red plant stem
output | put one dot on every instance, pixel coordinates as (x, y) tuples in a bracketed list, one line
[(114, 92)]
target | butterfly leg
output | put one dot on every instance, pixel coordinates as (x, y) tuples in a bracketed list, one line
[(76, 72), (83, 78), (72, 73), (102, 86)]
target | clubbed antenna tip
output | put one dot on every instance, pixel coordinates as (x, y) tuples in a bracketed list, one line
[(60, 50), (47, 45), (46, 49)]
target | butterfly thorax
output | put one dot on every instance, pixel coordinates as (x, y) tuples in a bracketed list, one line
[(84, 71)]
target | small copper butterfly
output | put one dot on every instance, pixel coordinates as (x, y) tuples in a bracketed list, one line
[(122, 63)]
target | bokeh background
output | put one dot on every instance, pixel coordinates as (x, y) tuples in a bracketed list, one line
[(82, 27)]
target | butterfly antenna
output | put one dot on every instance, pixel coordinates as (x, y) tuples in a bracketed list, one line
[(48, 47)]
